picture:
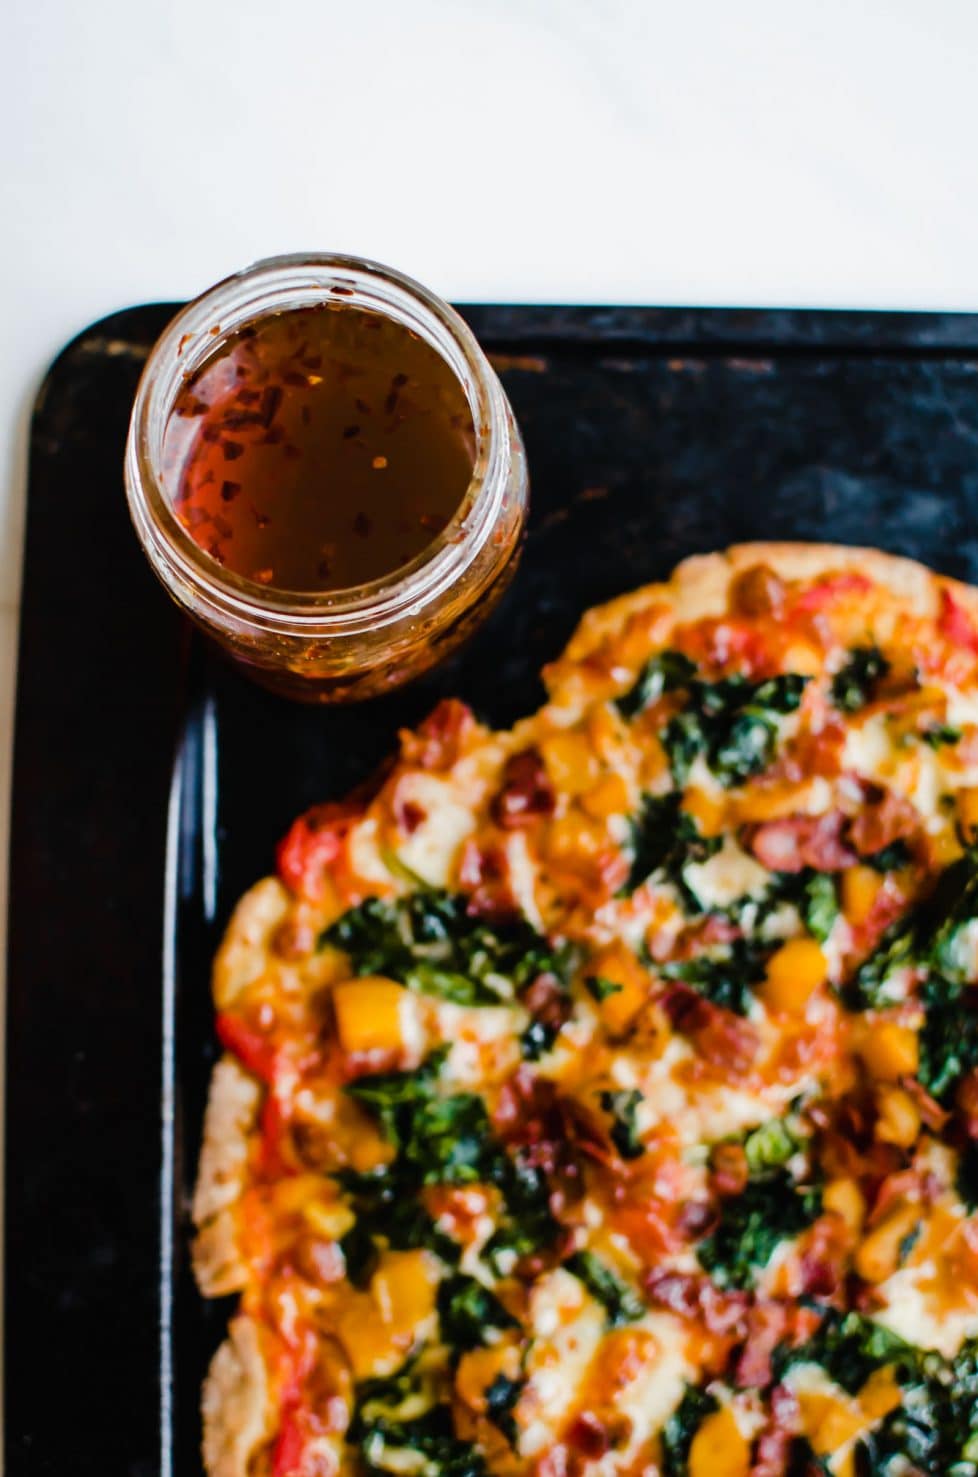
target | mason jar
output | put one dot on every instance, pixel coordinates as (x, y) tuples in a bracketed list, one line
[(341, 644)]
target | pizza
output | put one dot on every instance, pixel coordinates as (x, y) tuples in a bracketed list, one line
[(601, 1096)]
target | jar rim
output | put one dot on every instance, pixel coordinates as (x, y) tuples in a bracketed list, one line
[(278, 284)]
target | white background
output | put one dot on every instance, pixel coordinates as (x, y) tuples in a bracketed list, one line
[(811, 152)]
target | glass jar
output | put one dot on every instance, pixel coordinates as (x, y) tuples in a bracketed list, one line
[(350, 643)]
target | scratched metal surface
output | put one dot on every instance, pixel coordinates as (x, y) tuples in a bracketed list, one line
[(651, 435)]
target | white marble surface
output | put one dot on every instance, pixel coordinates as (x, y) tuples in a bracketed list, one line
[(663, 151)]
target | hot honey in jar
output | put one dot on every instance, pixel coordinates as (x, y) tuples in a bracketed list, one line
[(325, 473), (320, 449)]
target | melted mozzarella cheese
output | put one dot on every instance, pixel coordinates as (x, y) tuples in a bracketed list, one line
[(431, 849), (910, 1311), (727, 876), (651, 1397), (566, 1326)]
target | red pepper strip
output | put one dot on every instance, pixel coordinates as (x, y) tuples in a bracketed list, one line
[(955, 624), (287, 1459), (312, 845), (252, 1049), (273, 1126), (823, 591)]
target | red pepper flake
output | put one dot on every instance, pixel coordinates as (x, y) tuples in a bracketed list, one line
[(362, 525), (362, 406), (350, 432), (232, 450), (271, 399), (229, 491)]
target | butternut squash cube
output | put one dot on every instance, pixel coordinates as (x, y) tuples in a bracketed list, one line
[(793, 973), (880, 1254), (968, 809), (889, 1051), (860, 889), (719, 1449), (844, 1198), (370, 1014)]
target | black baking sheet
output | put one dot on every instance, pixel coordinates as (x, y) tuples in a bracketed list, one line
[(151, 782)]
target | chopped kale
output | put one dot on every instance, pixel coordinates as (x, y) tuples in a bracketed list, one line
[(929, 935), (620, 1303), (854, 685), (426, 1444), (725, 975), (752, 1224), (948, 1044), (812, 893), (890, 858), (850, 1347), (818, 904), (398, 1426), (682, 1426), (467, 1310), (429, 942), (769, 1146), (537, 1040), (441, 1140), (623, 1106), (732, 723), (683, 738), (665, 672), (600, 988), (938, 734), (385, 1204), (952, 906), (529, 1224), (665, 838), (501, 1398), (935, 1426), (871, 987)]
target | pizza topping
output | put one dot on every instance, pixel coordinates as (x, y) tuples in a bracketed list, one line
[(646, 1139)]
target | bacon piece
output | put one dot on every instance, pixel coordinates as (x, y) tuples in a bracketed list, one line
[(799, 841), (773, 1446), (955, 624), (693, 1295), (930, 1110), (720, 1037), (589, 1436), (966, 1099), (526, 793), (729, 1171), (485, 872), (547, 1001), (766, 1325), (884, 818), (438, 742), (313, 844), (825, 1257)]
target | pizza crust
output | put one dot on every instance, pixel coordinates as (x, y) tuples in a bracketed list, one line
[(231, 1118), (244, 953), (699, 587), (236, 1404)]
